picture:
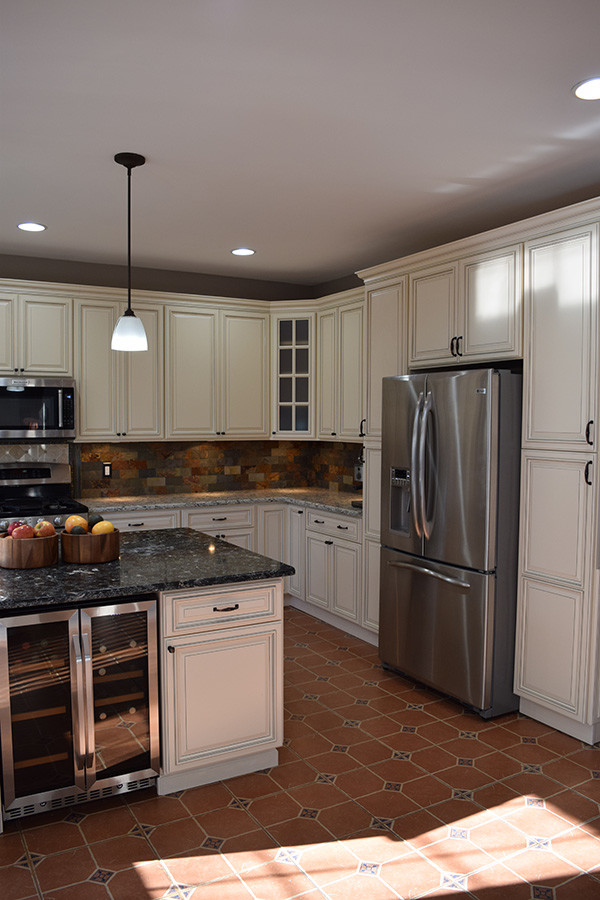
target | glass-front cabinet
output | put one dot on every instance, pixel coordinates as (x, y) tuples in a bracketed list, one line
[(293, 390), (78, 704)]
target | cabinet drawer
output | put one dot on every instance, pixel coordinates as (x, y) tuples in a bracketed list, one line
[(205, 610), (217, 518), (144, 520), (340, 526)]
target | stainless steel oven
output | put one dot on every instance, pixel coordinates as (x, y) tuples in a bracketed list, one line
[(78, 705), (37, 409)]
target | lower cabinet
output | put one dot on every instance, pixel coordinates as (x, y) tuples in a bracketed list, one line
[(230, 523), (370, 610), (271, 530), (222, 682), (144, 519), (333, 574), (296, 551)]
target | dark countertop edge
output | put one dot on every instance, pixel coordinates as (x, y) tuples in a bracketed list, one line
[(231, 498), (109, 595)]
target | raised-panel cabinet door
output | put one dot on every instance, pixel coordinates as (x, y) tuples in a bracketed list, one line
[(96, 369), (191, 378), (560, 372), (327, 374), (346, 585), (432, 314), (143, 394), (386, 346), (297, 550), (317, 570), (7, 337), (351, 370), (490, 294), (271, 531), (551, 646), (241, 537), (46, 335), (245, 379), (222, 695), (370, 613), (557, 501)]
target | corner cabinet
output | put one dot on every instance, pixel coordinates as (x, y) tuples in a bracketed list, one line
[(467, 309), (36, 334), (119, 394), (222, 682), (293, 366), (340, 372), (333, 563), (233, 523), (217, 381)]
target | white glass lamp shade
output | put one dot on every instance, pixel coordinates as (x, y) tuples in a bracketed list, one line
[(129, 333)]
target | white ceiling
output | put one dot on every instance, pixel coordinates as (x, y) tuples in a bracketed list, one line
[(329, 135)]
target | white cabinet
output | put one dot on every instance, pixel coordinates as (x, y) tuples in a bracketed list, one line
[(469, 308), (143, 519), (296, 554), (561, 368), (119, 394), (233, 523), (222, 682), (293, 367), (340, 371), (271, 520), (36, 334), (385, 346), (217, 376), (372, 490), (333, 563), (370, 609)]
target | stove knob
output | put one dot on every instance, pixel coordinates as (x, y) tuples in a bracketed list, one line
[(57, 520), (4, 525)]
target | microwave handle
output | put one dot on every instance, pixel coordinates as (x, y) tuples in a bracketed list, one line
[(60, 407)]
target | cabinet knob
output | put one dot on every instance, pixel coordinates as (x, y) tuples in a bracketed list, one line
[(171, 649), (328, 542), (333, 434), (361, 432), (300, 512)]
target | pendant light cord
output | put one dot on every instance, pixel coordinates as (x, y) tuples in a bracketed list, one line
[(128, 238)]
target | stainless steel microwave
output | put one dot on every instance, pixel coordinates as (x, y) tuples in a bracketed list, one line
[(37, 409)]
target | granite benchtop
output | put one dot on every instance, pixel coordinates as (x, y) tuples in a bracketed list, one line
[(330, 501), (150, 561)]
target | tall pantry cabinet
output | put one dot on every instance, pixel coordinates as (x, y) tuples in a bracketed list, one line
[(557, 620)]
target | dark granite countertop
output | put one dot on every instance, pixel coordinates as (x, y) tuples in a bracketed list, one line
[(331, 501), (150, 561)]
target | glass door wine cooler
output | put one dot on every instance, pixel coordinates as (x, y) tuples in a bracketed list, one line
[(78, 705)]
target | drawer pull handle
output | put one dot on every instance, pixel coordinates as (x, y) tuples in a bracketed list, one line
[(134, 524), (171, 649), (219, 518), (319, 521), (300, 512), (226, 608), (328, 542), (343, 527)]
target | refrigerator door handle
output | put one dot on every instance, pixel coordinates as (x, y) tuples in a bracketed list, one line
[(426, 524), (423, 571), (79, 730), (89, 702), (414, 466)]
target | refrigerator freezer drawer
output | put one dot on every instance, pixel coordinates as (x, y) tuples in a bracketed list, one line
[(436, 625)]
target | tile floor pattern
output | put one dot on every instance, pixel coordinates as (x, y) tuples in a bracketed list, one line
[(384, 790)]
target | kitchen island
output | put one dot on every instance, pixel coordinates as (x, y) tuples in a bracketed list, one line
[(219, 611)]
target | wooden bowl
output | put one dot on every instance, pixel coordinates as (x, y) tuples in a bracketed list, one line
[(89, 548), (28, 553)]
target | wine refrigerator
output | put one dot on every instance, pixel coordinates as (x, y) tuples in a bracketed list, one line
[(78, 705)]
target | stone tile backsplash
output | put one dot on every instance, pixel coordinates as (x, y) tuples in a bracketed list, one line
[(142, 469)]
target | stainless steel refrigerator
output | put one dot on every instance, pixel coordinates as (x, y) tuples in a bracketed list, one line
[(449, 532)]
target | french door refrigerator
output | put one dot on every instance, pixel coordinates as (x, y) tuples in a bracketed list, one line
[(449, 532), (78, 704)]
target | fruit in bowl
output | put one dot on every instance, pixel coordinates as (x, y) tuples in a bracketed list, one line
[(44, 528), (12, 527), (103, 527), (76, 522), (22, 531)]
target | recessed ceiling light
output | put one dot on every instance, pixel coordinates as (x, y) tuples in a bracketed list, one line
[(243, 251), (31, 226), (588, 89)]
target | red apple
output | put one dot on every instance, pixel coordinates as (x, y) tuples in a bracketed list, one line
[(12, 526), (23, 531), (44, 528)]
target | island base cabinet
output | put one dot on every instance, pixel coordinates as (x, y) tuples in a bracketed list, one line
[(222, 687)]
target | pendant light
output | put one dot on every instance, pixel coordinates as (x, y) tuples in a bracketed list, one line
[(129, 331)]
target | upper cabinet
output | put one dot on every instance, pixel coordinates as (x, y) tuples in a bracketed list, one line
[(467, 309), (293, 367), (340, 372), (119, 394), (36, 335), (385, 346), (560, 372), (217, 372)]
